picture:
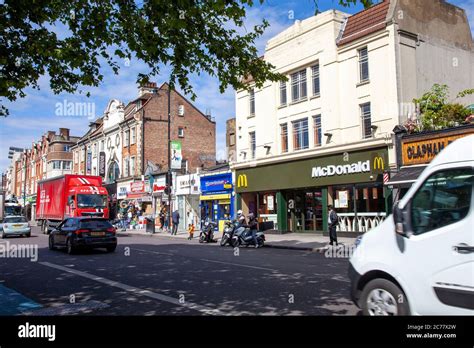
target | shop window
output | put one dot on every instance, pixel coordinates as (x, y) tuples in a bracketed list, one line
[(317, 130), (300, 135)]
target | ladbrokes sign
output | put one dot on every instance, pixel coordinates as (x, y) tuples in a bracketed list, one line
[(353, 167)]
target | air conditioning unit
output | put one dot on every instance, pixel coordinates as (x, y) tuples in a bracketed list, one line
[(181, 110)]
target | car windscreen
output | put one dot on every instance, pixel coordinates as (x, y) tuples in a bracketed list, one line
[(95, 224), (91, 201), (14, 220)]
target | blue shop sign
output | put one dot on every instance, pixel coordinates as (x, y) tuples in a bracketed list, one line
[(216, 183)]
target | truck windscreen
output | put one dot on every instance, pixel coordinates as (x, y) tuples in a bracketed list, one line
[(91, 201)]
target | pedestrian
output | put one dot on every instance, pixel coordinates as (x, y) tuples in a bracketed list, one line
[(166, 217), (162, 218), (333, 221), (175, 217), (191, 231)]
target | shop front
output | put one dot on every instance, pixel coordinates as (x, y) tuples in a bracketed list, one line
[(416, 151), (187, 195), (293, 196), (134, 197), (216, 200)]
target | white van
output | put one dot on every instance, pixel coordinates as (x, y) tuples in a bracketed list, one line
[(420, 260)]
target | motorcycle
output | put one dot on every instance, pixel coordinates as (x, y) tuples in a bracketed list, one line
[(243, 237), (229, 230), (207, 233)]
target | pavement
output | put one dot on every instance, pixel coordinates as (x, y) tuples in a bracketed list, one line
[(164, 275), (291, 241)]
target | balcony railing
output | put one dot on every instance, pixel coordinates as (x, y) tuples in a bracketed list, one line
[(362, 223)]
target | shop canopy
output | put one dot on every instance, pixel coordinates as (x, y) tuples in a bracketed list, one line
[(406, 176)]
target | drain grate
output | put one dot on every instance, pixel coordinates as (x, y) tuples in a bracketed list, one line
[(69, 309)]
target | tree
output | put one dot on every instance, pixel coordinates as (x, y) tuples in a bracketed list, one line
[(190, 36), (437, 111)]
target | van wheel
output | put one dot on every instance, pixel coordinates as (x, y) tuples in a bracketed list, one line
[(381, 297)]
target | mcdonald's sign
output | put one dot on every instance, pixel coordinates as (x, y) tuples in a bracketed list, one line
[(379, 163), (242, 181)]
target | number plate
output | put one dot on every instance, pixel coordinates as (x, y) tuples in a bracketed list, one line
[(97, 234)]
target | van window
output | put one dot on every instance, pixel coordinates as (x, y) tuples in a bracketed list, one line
[(444, 198)]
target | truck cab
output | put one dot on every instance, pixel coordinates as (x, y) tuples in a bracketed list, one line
[(87, 201)]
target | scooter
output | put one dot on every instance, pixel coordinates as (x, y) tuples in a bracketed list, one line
[(229, 230), (207, 233), (243, 237)]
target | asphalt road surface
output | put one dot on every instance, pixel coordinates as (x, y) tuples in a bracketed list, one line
[(166, 276)]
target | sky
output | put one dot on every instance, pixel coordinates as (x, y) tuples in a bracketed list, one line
[(32, 116)]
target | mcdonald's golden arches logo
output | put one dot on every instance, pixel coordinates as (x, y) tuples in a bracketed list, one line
[(379, 163), (242, 181)]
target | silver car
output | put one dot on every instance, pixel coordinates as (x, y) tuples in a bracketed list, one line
[(15, 226)]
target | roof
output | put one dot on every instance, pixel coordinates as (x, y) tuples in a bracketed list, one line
[(365, 22)]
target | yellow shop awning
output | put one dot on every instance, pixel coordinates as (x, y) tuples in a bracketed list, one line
[(214, 197)]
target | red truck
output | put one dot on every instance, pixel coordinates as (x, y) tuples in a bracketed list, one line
[(69, 196)]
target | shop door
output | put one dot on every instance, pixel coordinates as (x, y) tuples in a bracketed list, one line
[(305, 210)]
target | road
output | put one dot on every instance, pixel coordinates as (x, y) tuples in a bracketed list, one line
[(165, 276)]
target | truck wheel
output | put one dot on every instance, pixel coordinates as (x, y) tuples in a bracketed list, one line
[(381, 297), (44, 227), (69, 247)]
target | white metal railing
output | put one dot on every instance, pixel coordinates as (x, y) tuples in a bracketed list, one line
[(364, 221)]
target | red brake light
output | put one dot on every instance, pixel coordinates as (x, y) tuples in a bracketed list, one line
[(111, 229), (81, 231)]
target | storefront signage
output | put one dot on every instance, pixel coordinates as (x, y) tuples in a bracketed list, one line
[(137, 186), (342, 168), (216, 183), (102, 164), (187, 184), (423, 151)]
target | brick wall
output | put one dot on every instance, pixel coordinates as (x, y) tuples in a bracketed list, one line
[(199, 132)]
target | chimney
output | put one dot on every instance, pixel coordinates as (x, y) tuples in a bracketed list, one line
[(64, 132), (149, 87)]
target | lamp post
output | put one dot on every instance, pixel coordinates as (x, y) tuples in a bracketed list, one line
[(169, 177)]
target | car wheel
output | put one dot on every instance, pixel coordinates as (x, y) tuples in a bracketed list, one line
[(28, 235), (69, 247), (51, 243), (4, 235), (381, 297), (111, 249)]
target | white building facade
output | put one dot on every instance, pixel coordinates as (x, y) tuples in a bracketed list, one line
[(325, 137)]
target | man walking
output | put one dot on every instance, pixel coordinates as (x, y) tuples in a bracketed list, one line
[(175, 217), (333, 221)]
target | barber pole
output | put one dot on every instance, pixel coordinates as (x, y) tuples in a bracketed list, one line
[(386, 177)]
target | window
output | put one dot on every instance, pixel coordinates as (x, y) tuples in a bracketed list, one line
[(282, 93), (181, 110), (300, 134), (316, 81), (181, 132), (366, 120), (317, 130), (127, 138), (56, 164), (133, 136), (252, 144), (443, 199), (284, 137), (231, 139), (298, 85), (364, 64), (132, 166), (252, 102), (67, 148), (126, 163), (67, 165)]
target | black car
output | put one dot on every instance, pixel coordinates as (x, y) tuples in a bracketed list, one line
[(83, 233)]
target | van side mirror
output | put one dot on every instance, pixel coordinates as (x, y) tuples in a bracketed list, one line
[(399, 219)]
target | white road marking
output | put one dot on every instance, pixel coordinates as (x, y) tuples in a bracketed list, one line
[(136, 291), (153, 252), (240, 265)]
